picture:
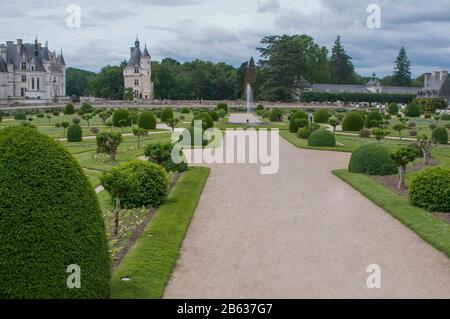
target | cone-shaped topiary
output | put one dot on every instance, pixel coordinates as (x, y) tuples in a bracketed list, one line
[(147, 120), (49, 219), (353, 121), (74, 133), (372, 159), (322, 138)]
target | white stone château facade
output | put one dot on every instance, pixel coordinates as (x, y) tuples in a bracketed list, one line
[(31, 73), (138, 73)]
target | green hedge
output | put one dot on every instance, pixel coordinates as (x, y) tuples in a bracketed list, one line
[(147, 120), (440, 135), (20, 116), (207, 121), (119, 115), (372, 159), (413, 109), (430, 189), (321, 116), (308, 97), (49, 219), (322, 137), (372, 119), (74, 133), (166, 114), (353, 121)]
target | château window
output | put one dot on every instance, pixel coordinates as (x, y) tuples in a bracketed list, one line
[(24, 78), (22, 92), (38, 84), (24, 65), (32, 83), (136, 82), (136, 69)]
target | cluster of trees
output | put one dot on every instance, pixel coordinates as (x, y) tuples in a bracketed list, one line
[(286, 61)]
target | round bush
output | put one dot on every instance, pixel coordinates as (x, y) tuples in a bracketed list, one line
[(322, 138), (306, 131), (440, 135), (297, 120), (321, 116), (133, 117), (69, 109), (393, 109), (120, 115), (166, 114), (152, 184), (147, 120), (275, 115), (413, 109), (353, 121), (19, 115), (372, 159), (222, 106), (49, 219), (221, 113), (214, 115), (430, 189), (185, 110), (207, 121), (372, 119), (86, 108), (74, 133), (40, 115)]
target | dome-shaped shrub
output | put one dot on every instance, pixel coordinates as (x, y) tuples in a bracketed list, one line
[(152, 184), (413, 109), (166, 114), (133, 117), (147, 120), (222, 106), (214, 115), (185, 110), (322, 137), (353, 121), (20, 116), (49, 219), (372, 119), (297, 119), (206, 119), (440, 135), (119, 115), (74, 133), (393, 108), (305, 132), (372, 159), (69, 109), (275, 114), (321, 116), (430, 189)]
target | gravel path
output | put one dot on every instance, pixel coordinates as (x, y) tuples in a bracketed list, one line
[(301, 233)]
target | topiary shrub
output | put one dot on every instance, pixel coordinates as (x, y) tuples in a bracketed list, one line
[(133, 117), (86, 108), (275, 114), (166, 114), (69, 109), (152, 184), (306, 131), (393, 108), (206, 119), (440, 135), (413, 109), (20, 116), (430, 189), (49, 219), (147, 120), (74, 133), (161, 154), (222, 106), (445, 117), (353, 122), (40, 115), (185, 110), (260, 107), (221, 113), (297, 120), (121, 115), (214, 115), (372, 159), (364, 133), (321, 116), (372, 119), (322, 138)]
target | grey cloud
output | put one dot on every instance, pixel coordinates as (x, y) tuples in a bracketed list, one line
[(264, 6)]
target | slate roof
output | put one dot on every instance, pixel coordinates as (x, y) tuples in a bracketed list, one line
[(434, 87), (3, 67), (145, 53), (135, 58), (339, 88)]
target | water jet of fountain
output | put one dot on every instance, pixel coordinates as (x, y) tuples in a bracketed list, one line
[(249, 96)]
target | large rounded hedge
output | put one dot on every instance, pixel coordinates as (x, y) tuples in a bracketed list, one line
[(207, 121), (413, 109), (322, 137), (214, 115), (276, 114), (321, 116), (440, 135), (120, 115), (69, 109), (430, 189), (166, 114), (74, 133), (49, 219), (147, 120), (298, 119), (152, 184), (372, 119), (353, 121), (372, 159)]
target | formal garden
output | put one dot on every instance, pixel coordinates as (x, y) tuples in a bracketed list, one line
[(100, 189)]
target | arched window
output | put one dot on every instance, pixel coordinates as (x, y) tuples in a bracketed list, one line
[(32, 83), (38, 84)]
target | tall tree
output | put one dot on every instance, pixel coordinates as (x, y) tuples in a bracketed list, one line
[(342, 70), (402, 71)]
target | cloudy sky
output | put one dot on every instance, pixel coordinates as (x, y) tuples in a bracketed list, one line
[(230, 30)]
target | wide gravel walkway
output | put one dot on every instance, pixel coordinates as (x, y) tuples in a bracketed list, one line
[(301, 233)]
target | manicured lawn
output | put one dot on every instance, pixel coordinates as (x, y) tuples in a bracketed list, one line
[(149, 263), (430, 228)]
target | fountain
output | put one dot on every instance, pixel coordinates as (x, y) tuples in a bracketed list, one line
[(249, 97), (249, 78)]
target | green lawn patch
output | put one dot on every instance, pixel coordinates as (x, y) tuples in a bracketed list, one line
[(430, 228), (149, 263)]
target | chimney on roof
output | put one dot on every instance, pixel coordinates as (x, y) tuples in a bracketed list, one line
[(3, 50), (9, 43), (427, 79), (19, 41), (436, 76), (444, 74)]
